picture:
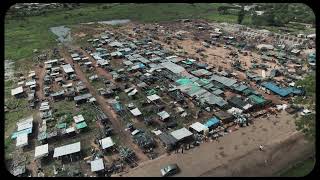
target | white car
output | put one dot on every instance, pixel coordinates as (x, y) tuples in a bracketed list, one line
[(305, 112)]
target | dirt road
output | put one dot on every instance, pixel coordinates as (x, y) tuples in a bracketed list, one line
[(116, 122), (237, 154), (40, 72)]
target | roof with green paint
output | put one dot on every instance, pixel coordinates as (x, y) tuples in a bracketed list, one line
[(62, 125), (151, 92), (256, 99), (81, 125), (183, 81)]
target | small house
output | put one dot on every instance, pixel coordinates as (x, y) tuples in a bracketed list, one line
[(68, 152), (182, 135), (18, 92)]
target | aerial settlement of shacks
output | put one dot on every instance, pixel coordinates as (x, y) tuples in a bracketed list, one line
[(157, 86)]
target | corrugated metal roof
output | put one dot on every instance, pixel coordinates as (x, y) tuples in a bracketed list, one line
[(135, 112), (276, 89), (25, 123), (168, 139), (67, 68), (41, 151), (163, 115), (67, 149), (198, 126), (16, 91), (97, 165), (181, 133), (22, 140), (106, 142), (173, 67), (256, 99), (81, 125), (211, 122), (224, 80)]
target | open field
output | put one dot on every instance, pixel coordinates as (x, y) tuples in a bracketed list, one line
[(34, 30)]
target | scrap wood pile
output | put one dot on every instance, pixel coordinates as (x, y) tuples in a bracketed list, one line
[(144, 140), (126, 153)]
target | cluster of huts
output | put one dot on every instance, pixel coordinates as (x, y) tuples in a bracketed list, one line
[(182, 78)]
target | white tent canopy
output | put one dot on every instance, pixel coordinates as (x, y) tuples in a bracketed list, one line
[(106, 142), (97, 165), (41, 151), (67, 149)]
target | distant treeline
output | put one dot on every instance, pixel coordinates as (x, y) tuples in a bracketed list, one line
[(274, 14)]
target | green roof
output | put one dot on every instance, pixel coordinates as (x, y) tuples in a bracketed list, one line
[(183, 81), (193, 89), (151, 92), (81, 125), (62, 125), (187, 62), (257, 99), (208, 86)]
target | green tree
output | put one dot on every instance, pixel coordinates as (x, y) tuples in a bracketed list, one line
[(223, 9), (306, 123), (241, 15)]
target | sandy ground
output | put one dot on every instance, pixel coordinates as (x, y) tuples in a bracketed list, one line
[(237, 154)]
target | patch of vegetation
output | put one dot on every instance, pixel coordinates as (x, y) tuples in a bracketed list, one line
[(23, 34), (98, 84), (87, 112), (306, 124), (64, 108), (301, 169), (8, 85)]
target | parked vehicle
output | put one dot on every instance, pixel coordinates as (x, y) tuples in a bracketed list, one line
[(169, 170)]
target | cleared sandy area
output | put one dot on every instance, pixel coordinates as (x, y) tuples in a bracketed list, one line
[(237, 154)]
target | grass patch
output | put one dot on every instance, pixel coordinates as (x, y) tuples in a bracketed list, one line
[(20, 111), (8, 85), (301, 169), (64, 108), (22, 35)]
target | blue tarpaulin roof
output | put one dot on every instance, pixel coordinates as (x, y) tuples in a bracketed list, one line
[(212, 122), (276, 89), (296, 91)]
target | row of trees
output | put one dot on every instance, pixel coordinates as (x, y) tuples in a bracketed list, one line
[(275, 14), (280, 14), (306, 123)]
